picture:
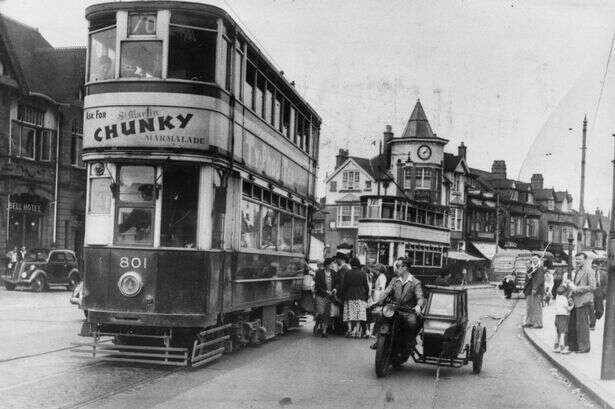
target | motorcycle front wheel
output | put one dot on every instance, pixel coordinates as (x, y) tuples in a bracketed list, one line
[(383, 355)]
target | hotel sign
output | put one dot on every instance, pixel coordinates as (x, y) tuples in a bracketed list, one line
[(146, 127), (25, 207)]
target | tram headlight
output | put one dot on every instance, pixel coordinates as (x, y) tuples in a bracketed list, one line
[(130, 284)]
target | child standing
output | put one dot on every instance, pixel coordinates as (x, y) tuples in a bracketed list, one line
[(548, 286), (563, 306)]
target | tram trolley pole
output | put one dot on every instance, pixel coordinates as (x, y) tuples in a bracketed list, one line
[(608, 342)]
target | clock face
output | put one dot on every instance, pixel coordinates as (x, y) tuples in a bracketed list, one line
[(424, 152)]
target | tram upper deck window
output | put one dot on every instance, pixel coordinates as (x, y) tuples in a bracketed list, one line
[(192, 54), (102, 54), (135, 212), (179, 206)]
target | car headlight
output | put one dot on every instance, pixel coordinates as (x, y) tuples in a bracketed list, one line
[(130, 284), (388, 310), (24, 275)]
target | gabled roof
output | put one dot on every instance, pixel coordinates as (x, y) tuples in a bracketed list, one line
[(524, 187), (606, 223), (55, 72), (594, 222), (561, 196), (374, 167), (452, 162), (544, 194), (418, 125)]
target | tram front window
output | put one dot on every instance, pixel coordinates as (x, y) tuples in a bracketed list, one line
[(192, 54), (141, 59), (135, 213), (179, 206), (102, 55)]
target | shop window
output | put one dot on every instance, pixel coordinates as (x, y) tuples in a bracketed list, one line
[(298, 235), (102, 55), (141, 59), (179, 206), (249, 224), (135, 212), (269, 228)]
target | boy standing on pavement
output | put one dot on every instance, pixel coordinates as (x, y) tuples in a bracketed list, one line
[(563, 306)]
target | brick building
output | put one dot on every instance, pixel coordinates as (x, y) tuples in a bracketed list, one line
[(42, 180)]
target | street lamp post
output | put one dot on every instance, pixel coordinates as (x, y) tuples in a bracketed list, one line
[(608, 341), (570, 249)]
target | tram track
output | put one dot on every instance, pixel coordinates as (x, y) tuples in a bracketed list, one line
[(493, 333)]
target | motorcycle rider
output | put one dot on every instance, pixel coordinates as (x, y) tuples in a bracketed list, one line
[(406, 291)]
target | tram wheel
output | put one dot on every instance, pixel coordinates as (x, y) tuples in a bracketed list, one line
[(38, 284), (9, 286)]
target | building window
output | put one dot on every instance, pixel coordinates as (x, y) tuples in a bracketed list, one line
[(457, 184), (319, 228), (76, 143), (333, 186), (29, 138), (551, 205), (368, 185), (516, 225), (456, 219), (348, 216), (531, 225), (407, 178), (350, 180), (422, 178)]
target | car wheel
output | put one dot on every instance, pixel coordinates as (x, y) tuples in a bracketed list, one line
[(9, 286), (39, 284), (73, 281)]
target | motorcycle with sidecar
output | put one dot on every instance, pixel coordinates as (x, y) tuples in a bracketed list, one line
[(441, 329)]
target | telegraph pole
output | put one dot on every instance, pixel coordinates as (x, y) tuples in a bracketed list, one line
[(608, 342), (583, 149)]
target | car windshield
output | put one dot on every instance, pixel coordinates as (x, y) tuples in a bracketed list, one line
[(37, 255)]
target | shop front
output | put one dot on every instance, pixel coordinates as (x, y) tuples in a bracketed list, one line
[(26, 215)]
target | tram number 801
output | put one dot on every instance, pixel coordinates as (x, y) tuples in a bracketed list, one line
[(134, 262)]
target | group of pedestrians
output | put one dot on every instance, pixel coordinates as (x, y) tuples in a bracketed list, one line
[(579, 302), (344, 292), (15, 255)]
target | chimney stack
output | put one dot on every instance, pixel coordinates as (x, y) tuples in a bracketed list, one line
[(498, 169), (462, 150), (537, 181), (386, 145), (341, 158)]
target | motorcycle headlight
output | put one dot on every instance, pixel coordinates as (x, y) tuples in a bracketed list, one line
[(388, 311), (130, 284)]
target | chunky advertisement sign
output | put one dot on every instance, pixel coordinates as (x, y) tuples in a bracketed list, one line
[(151, 127)]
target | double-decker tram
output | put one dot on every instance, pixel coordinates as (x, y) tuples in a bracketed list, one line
[(201, 161)]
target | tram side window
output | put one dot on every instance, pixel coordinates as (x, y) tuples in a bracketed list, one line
[(102, 55), (141, 59), (249, 224), (286, 119), (192, 54), (100, 195), (238, 74), (179, 206), (248, 88), (269, 228), (286, 232), (135, 213), (298, 235), (259, 96)]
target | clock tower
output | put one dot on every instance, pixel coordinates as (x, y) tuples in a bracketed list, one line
[(416, 159)]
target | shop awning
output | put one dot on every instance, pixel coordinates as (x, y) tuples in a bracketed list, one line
[(486, 249), (463, 256)]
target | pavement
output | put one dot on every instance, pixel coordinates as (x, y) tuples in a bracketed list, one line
[(581, 369)]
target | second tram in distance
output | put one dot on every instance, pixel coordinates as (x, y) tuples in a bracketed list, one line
[(201, 162)]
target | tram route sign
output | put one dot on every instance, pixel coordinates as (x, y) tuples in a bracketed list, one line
[(152, 127)]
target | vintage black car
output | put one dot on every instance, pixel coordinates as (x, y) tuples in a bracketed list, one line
[(43, 268)]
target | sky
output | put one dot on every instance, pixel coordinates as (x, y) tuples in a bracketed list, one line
[(511, 79)]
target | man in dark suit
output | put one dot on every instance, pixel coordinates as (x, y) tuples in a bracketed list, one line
[(583, 297), (534, 291)]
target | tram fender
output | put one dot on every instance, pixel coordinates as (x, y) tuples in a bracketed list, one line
[(36, 274)]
